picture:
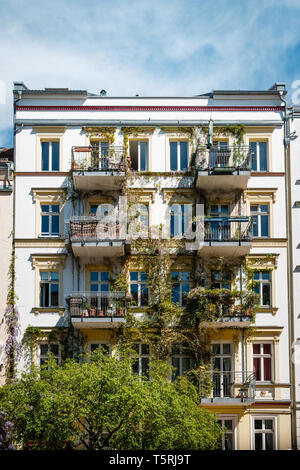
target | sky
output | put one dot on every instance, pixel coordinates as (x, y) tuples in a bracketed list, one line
[(146, 47)]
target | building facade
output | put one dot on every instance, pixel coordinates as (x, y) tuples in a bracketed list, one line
[(6, 247), (100, 180)]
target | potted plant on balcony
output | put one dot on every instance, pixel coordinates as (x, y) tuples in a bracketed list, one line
[(84, 312), (100, 313), (92, 311)]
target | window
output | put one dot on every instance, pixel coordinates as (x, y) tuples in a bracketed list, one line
[(180, 220), (99, 281), (262, 361), (100, 155), (139, 288), (220, 279), (181, 359), (50, 220), (45, 349), (264, 433), (179, 156), (141, 365), (49, 288), (105, 347), (50, 156), (138, 151), (228, 427), (260, 217), (222, 369), (259, 156), (262, 287), (180, 286)]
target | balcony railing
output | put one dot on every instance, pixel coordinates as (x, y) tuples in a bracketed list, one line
[(237, 157), (219, 386), (112, 158), (91, 228), (97, 304), (225, 229)]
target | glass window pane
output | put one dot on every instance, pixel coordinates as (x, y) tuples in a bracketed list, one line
[(264, 225), (44, 275), (267, 368), (145, 348), (144, 295), (227, 348), (43, 349), (216, 349), (263, 156), (94, 287), (144, 277), (143, 156), (185, 276), (134, 276), (55, 224), (45, 156), (183, 156), (228, 424), (54, 349), (54, 276), (253, 208), (55, 208), (267, 348), (265, 276), (258, 441), (173, 156), (254, 155), (264, 208), (45, 208), (145, 366), (269, 441), (256, 276), (268, 424), (175, 276), (54, 295), (44, 295), (255, 225), (256, 348), (175, 363), (266, 294), (257, 368), (55, 156), (94, 276), (104, 287), (134, 292), (45, 224), (258, 424), (175, 294), (228, 441), (104, 276)]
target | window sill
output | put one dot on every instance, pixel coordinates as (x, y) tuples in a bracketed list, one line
[(262, 309), (38, 310)]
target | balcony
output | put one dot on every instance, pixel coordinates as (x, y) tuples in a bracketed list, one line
[(97, 309), (222, 387), (89, 237), (95, 168), (223, 168), (226, 236)]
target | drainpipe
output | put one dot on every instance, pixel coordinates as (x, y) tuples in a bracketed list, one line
[(288, 203)]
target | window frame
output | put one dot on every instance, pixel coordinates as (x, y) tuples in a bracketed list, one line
[(180, 356), (257, 140), (260, 214), (140, 358), (100, 343), (275, 430), (234, 432), (261, 356), (178, 141), (49, 282), (50, 154), (181, 283), (49, 343), (261, 281), (50, 215), (139, 141), (139, 283)]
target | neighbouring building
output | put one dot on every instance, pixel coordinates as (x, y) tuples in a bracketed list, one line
[(6, 246), (294, 158), (85, 162)]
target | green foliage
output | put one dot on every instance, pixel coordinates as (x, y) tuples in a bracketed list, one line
[(100, 404)]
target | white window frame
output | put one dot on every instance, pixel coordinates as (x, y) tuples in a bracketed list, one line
[(50, 282), (259, 214), (178, 142), (275, 429), (181, 355), (258, 154), (261, 356), (261, 281), (233, 418), (139, 152), (139, 282), (141, 356), (181, 282), (40, 356), (50, 214), (221, 355), (50, 142)]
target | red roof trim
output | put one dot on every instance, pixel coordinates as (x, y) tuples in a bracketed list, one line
[(149, 108)]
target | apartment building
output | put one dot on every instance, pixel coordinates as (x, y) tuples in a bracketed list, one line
[(6, 246), (95, 174), (294, 128)]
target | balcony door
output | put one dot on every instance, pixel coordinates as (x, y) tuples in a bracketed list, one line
[(100, 160), (219, 230), (222, 365)]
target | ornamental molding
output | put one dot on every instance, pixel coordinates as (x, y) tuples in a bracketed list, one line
[(39, 242), (269, 261), (260, 194), (48, 195), (141, 195), (269, 243), (179, 195), (47, 261), (59, 310), (49, 129)]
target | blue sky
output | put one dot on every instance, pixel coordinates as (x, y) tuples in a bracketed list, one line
[(146, 47)]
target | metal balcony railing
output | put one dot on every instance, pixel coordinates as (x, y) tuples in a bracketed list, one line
[(223, 229), (227, 385), (111, 158), (233, 158), (97, 304), (91, 228)]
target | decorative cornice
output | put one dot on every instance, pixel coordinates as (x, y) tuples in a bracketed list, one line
[(48, 194), (50, 129), (49, 260), (39, 243), (179, 195), (260, 193), (59, 310), (148, 108), (145, 195), (269, 261), (269, 242)]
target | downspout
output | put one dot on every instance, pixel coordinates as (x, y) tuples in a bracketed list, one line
[(290, 287)]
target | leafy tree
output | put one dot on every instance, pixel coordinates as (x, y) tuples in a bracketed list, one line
[(101, 404)]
